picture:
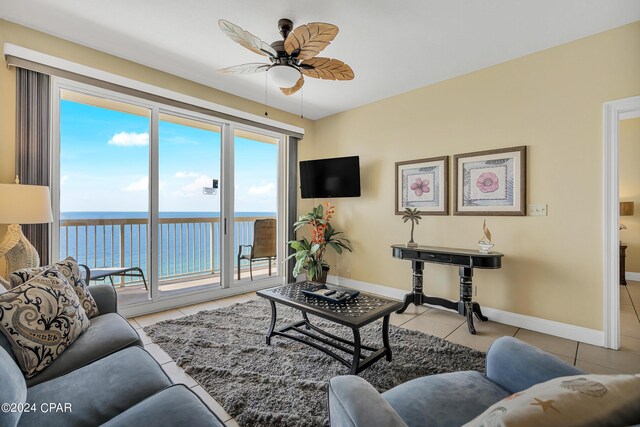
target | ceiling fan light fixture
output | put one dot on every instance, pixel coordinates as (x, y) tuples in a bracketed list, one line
[(284, 75)]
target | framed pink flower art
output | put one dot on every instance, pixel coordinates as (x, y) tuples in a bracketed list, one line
[(490, 182), (424, 185)]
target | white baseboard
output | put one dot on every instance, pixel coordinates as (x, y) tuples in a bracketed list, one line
[(629, 275), (550, 327)]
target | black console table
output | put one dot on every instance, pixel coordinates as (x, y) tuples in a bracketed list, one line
[(465, 259)]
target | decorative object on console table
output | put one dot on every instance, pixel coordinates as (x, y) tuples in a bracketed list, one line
[(490, 182), (466, 259), (22, 204), (485, 242), (413, 216), (424, 185), (309, 255)]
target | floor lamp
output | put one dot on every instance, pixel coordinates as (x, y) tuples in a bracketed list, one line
[(22, 204)]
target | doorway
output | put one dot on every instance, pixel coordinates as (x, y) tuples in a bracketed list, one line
[(614, 112)]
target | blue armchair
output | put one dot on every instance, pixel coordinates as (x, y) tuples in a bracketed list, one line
[(451, 399)]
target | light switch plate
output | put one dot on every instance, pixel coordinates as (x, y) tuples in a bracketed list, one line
[(537, 210)]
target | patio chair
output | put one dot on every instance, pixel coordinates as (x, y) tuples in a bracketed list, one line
[(100, 274), (263, 247)]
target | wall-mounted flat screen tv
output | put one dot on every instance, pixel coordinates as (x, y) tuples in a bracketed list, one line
[(336, 177)]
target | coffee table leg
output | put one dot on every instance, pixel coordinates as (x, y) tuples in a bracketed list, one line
[(273, 322), (356, 351), (385, 337), (307, 322)]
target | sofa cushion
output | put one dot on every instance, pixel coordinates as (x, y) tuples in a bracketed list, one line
[(12, 390), (40, 319), (71, 271), (107, 334), (444, 399), (174, 406), (581, 400), (97, 392)]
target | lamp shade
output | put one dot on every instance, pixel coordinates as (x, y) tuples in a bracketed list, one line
[(25, 204), (626, 208)]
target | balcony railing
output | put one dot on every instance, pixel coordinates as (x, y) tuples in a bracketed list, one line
[(188, 247)]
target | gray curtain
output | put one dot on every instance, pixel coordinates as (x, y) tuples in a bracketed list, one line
[(33, 145), (292, 201)]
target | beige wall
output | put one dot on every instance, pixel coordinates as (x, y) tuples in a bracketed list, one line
[(551, 102), (630, 189)]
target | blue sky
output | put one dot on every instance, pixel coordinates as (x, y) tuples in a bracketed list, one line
[(104, 158)]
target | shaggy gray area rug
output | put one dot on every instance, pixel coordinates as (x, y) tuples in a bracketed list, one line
[(285, 384)]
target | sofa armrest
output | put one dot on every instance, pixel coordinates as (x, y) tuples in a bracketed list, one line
[(516, 366), (353, 402), (106, 298)]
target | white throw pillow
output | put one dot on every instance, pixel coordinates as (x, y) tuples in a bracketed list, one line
[(71, 271), (41, 318), (579, 400)]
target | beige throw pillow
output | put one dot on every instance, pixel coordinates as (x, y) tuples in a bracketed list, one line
[(41, 318), (71, 270), (580, 400)]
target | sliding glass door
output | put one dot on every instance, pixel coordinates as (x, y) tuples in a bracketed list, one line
[(104, 188), (255, 206), (189, 244), (188, 204)]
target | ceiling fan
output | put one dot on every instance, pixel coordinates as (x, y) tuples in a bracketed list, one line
[(291, 58)]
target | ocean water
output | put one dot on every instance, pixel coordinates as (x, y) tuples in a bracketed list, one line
[(186, 246)]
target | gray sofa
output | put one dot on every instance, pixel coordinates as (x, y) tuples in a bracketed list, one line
[(451, 399), (104, 377)]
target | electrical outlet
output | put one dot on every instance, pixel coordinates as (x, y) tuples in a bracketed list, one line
[(537, 210)]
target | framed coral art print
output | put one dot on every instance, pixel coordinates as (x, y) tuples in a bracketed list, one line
[(424, 185), (490, 182)]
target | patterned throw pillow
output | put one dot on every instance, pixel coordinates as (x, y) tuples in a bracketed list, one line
[(69, 267), (41, 318), (580, 400)]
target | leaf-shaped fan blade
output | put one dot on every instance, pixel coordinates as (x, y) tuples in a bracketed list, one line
[(293, 89), (310, 39), (250, 68), (246, 39), (325, 68)]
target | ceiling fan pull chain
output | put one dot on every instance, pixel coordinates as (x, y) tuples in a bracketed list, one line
[(302, 104), (266, 95)]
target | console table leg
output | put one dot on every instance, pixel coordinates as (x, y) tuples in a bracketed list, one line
[(273, 322), (385, 337), (408, 299), (466, 292), (356, 351), (416, 295), (478, 312)]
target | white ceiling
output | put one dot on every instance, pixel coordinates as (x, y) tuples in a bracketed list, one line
[(392, 46)]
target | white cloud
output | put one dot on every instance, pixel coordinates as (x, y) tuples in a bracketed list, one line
[(64, 179), (261, 189), (130, 139), (186, 174), (194, 188), (140, 185)]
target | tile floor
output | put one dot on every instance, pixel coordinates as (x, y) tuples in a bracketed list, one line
[(449, 326)]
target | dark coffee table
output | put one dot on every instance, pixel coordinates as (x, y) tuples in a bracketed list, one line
[(354, 314)]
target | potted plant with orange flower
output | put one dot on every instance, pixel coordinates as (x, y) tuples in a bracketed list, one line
[(309, 254)]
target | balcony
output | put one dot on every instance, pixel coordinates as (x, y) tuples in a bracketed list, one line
[(189, 251)]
